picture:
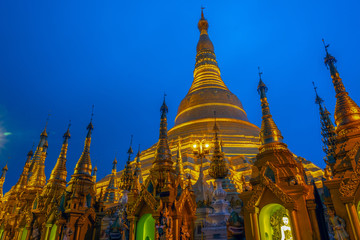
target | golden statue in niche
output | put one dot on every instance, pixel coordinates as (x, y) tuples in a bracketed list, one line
[(280, 224)]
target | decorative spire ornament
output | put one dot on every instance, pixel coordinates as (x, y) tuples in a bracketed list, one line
[(218, 168), (42, 146), (127, 175), (23, 179), (137, 171), (110, 193), (179, 168), (327, 131), (94, 174), (59, 172), (269, 131), (2, 180), (207, 72), (83, 166), (347, 112), (162, 153), (36, 174)]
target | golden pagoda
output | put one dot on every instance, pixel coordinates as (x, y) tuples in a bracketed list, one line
[(194, 119), (46, 208), (343, 168), (281, 205), (263, 190), (164, 207)]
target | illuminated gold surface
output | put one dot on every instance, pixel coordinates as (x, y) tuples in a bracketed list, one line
[(165, 191), (278, 178)]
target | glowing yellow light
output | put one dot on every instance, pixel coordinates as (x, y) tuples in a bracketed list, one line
[(194, 146), (207, 145)]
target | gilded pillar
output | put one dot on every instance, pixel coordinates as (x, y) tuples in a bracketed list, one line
[(78, 230), (255, 224), (313, 220), (46, 235), (295, 225), (354, 219), (132, 232), (58, 231), (17, 233), (29, 231), (176, 227)]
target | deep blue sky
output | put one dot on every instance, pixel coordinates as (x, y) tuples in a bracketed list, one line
[(63, 56)]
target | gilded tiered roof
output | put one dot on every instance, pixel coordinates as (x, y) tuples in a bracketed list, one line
[(194, 119), (347, 120)]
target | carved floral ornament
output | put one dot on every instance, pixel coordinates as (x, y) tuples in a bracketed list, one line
[(147, 198), (89, 212), (348, 187), (259, 190), (185, 197)]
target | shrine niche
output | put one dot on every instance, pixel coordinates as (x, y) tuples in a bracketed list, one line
[(275, 223), (145, 229)]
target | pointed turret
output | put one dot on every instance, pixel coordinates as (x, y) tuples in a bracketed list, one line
[(272, 150), (42, 146), (2, 179), (347, 112), (80, 189), (36, 174), (94, 174), (179, 168), (59, 172), (3, 171), (327, 131), (207, 72), (269, 131), (110, 193), (83, 166), (113, 171), (137, 171), (127, 175), (22, 182), (162, 153), (218, 169)]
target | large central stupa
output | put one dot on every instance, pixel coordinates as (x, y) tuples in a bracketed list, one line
[(195, 121), (195, 117)]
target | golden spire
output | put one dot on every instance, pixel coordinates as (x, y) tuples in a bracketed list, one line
[(94, 174), (207, 72), (327, 131), (36, 174), (127, 175), (22, 182), (347, 111), (111, 188), (204, 41), (162, 153), (59, 171), (269, 132), (3, 171), (208, 92), (137, 171), (218, 167), (179, 168), (2, 179), (37, 178), (83, 166), (113, 171), (41, 147)]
